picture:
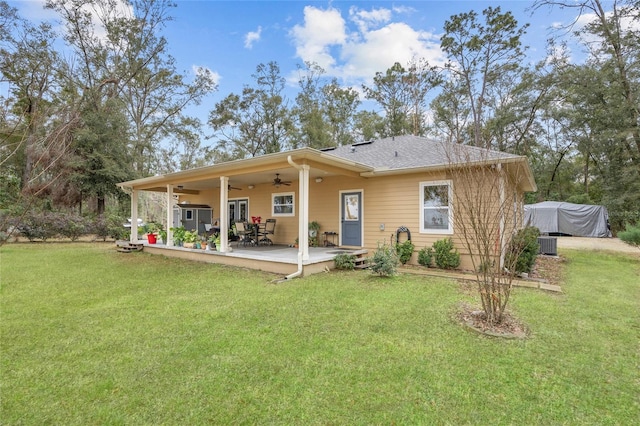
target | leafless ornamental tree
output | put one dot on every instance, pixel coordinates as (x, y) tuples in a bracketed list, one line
[(487, 212)]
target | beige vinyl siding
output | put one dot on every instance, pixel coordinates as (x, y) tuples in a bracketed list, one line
[(260, 205), (395, 201), (392, 200)]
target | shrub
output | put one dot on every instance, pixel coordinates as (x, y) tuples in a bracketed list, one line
[(109, 226), (580, 199), (523, 249), (384, 261), (631, 235), (100, 227), (425, 256), (70, 225), (345, 261), (404, 251), (445, 256), (117, 231), (37, 226)]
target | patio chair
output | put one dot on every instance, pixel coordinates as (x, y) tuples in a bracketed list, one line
[(245, 234), (268, 229)]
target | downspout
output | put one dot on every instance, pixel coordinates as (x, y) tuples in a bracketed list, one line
[(303, 214)]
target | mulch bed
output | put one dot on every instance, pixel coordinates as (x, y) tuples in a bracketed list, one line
[(509, 328), (549, 268)]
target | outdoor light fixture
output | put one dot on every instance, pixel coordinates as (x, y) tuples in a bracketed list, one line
[(251, 186), (318, 179)]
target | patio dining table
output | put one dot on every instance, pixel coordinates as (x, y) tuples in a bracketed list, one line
[(256, 229)]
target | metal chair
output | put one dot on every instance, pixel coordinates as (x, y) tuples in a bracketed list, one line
[(244, 233), (269, 229)]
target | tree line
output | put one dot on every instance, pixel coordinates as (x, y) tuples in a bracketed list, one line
[(111, 105)]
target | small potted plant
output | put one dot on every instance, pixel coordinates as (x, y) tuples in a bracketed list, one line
[(314, 227), (178, 235), (150, 229), (211, 242), (190, 239)]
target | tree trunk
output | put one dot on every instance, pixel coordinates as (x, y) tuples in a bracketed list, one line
[(100, 205)]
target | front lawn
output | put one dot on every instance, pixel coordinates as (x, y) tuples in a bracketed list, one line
[(92, 336)]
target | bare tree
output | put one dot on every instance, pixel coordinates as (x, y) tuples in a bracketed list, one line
[(487, 213)]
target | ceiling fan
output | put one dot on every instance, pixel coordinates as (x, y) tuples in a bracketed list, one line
[(229, 188), (277, 181)]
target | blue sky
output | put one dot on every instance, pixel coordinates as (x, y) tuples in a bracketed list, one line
[(351, 40)]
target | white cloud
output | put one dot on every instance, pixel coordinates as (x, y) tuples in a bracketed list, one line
[(366, 19), (200, 70), (373, 43), (380, 49), (578, 36), (403, 10), (322, 29), (34, 10), (252, 37)]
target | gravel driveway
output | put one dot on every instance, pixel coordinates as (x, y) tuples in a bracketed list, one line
[(610, 244)]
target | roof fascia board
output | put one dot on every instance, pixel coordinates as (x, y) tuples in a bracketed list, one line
[(520, 161), (333, 169), (255, 164)]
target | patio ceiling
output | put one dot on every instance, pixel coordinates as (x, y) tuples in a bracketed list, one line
[(242, 181), (252, 171)]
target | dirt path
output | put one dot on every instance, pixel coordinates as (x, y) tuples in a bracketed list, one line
[(609, 244)]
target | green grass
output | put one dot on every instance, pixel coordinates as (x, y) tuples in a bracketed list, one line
[(92, 336)]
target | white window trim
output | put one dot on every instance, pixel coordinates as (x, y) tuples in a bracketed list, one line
[(423, 230), (283, 194)]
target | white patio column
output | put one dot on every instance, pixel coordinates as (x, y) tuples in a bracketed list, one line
[(134, 217), (169, 242), (303, 222), (224, 214)]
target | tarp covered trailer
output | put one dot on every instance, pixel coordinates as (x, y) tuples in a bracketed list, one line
[(579, 220)]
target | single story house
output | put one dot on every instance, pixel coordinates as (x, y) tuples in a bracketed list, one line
[(360, 194)]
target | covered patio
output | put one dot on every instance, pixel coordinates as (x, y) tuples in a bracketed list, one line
[(277, 259), (281, 186)]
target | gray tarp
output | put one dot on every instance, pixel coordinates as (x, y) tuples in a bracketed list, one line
[(579, 220)]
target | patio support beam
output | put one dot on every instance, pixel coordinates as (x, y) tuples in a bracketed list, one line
[(169, 242), (134, 216), (303, 207), (224, 214)]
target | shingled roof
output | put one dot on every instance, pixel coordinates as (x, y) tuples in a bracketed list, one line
[(408, 152)]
